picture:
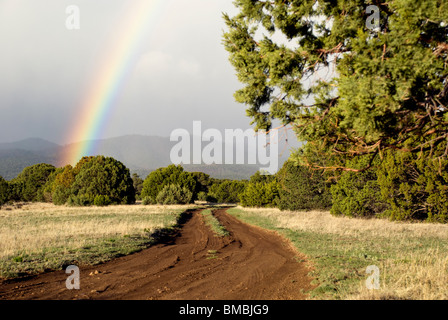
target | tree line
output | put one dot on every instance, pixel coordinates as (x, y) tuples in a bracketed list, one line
[(103, 181), (385, 193)]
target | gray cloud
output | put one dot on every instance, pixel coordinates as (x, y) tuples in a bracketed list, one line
[(181, 72)]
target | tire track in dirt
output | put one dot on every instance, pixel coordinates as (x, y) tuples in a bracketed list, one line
[(250, 264)]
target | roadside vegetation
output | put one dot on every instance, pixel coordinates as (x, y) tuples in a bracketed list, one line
[(411, 257)]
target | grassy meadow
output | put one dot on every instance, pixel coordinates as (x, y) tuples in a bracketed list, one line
[(412, 257), (39, 237)]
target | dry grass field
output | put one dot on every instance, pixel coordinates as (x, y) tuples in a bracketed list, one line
[(38, 237), (412, 257)]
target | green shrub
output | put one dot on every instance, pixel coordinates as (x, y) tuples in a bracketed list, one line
[(357, 194), (260, 194), (401, 186), (263, 178), (202, 196), (203, 183), (58, 187), (158, 179), (174, 194), (227, 191), (101, 201), (28, 184), (47, 189), (148, 201), (301, 188), (414, 186), (4, 191), (102, 176), (82, 200), (60, 195)]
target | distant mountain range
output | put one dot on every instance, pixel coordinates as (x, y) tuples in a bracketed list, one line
[(141, 154), (16, 156)]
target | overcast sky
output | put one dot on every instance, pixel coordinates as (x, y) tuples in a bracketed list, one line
[(181, 73)]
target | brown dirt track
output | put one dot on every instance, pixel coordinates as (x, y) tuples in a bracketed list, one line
[(250, 264)]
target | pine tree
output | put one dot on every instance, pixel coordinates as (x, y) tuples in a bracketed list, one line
[(390, 85)]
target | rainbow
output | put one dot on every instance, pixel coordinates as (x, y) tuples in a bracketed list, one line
[(99, 102)]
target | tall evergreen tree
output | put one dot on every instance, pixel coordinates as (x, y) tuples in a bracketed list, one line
[(389, 88)]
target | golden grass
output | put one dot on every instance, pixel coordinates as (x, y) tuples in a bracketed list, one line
[(37, 226), (324, 222), (422, 276), (412, 257)]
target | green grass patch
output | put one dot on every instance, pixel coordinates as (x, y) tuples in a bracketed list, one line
[(212, 254), (218, 229)]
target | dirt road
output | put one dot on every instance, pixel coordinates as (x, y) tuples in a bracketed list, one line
[(250, 264)]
